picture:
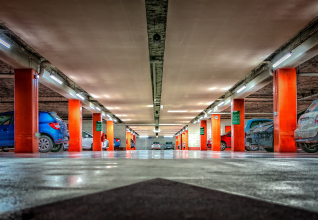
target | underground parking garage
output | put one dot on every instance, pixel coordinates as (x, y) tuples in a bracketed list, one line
[(158, 109)]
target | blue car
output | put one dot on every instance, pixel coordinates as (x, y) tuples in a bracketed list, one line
[(117, 142), (53, 132), (250, 124)]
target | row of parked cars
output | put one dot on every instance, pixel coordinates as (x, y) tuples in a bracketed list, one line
[(54, 135), (157, 146)]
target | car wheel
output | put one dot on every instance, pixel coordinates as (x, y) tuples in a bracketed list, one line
[(246, 148), (5, 150), (57, 148), (223, 145), (309, 148), (269, 149), (253, 148), (45, 144)]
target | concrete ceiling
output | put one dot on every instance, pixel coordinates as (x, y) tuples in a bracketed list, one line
[(214, 44)]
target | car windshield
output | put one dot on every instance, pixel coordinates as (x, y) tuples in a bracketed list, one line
[(168, 142), (313, 107), (156, 142)]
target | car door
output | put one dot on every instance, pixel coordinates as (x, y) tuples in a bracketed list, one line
[(5, 124), (87, 140)]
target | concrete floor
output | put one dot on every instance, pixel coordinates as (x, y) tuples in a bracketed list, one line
[(28, 180)]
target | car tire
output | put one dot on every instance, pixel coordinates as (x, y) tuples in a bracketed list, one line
[(45, 144), (309, 148), (5, 150), (246, 148), (256, 148), (223, 145), (57, 148), (269, 149)]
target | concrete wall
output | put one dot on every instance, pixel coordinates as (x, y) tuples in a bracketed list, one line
[(120, 132), (145, 143)]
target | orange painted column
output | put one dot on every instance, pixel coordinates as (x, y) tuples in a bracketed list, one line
[(110, 135), (26, 111), (186, 140), (227, 129), (285, 109), (203, 137), (181, 140), (127, 140), (75, 124), (238, 134), (177, 142), (216, 132), (97, 140)]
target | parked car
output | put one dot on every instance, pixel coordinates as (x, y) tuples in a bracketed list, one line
[(226, 138), (261, 136), (306, 134), (156, 146), (53, 132), (183, 145), (117, 142), (178, 147), (169, 145), (87, 142), (132, 143)]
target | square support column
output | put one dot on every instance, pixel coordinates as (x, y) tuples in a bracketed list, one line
[(97, 132), (75, 124), (26, 111), (203, 136), (285, 109), (186, 139), (177, 142), (128, 140), (110, 135), (216, 132), (238, 133)]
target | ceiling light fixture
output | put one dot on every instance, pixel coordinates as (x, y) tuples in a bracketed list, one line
[(150, 106), (5, 43), (56, 79), (226, 88), (210, 111), (94, 96), (156, 131), (221, 103), (213, 88), (79, 96), (109, 108), (178, 111), (241, 89), (106, 96), (282, 59), (98, 109), (109, 116)]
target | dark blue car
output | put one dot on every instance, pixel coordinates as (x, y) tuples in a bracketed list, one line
[(53, 132)]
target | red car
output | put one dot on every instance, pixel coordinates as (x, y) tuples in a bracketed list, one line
[(225, 141)]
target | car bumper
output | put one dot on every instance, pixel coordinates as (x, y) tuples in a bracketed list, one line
[(302, 135), (308, 140), (156, 148)]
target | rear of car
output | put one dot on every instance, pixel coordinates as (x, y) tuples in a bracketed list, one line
[(117, 142), (169, 146), (155, 146), (261, 136), (132, 143)]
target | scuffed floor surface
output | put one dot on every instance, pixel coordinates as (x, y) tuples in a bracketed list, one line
[(29, 180)]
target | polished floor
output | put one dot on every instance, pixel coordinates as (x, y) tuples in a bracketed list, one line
[(28, 180)]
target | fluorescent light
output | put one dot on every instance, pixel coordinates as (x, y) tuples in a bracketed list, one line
[(226, 88), (116, 108), (210, 111), (221, 103), (178, 111), (143, 136), (4, 43), (213, 88), (115, 120), (94, 96), (282, 59), (72, 77), (200, 103), (156, 131), (109, 108), (103, 114), (79, 96), (201, 118), (168, 136), (91, 105), (126, 119), (150, 106), (161, 106), (98, 109), (106, 96), (56, 79), (109, 116), (241, 89)]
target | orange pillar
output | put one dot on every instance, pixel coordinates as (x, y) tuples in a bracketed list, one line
[(227, 129), (285, 109), (110, 135), (181, 142), (26, 111), (238, 134), (134, 139), (97, 132), (75, 124), (216, 132), (127, 140), (203, 135), (177, 142), (186, 140)]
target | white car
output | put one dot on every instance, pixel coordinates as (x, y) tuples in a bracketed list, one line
[(156, 146), (87, 142)]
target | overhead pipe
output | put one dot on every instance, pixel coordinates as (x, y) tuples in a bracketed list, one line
[(43, 64)]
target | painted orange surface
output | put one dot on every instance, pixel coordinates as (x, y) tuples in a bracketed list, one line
[(127, 140), (285, 104), (227, 129), (194, 148), (110, 135), (238, 134), (177, 142), (75, 124), (216, 132), (97, 142), (181, 142), (134, 139), (203, 138), (186, 140), (26, 111)]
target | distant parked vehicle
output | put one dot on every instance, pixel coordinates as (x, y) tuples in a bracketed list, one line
[(132, 143), (261, 136), (306, 134), (53, 132), (117, 142), (87, 142), (169, 145), (156, 146), (183, 145), (225, 141)]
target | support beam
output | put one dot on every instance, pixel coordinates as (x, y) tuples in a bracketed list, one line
[(127, 140), (238, 134), (110, 135), (285, 109), (97, 132), (203, 135), (216, 132), (186, 139), (75, 124), (26, 111)]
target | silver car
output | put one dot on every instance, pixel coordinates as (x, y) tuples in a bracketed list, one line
[(87, 142), (156, 146), (306, 133)]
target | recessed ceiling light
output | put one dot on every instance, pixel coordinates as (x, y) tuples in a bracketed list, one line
[(178, 111), (109, 108), (116, 108), (213, 88), (197, 111), (4, 43), (126, 119), (200, 103), (72, 77), (94, 96), (106, 96), (226, 88), (149, 106)]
